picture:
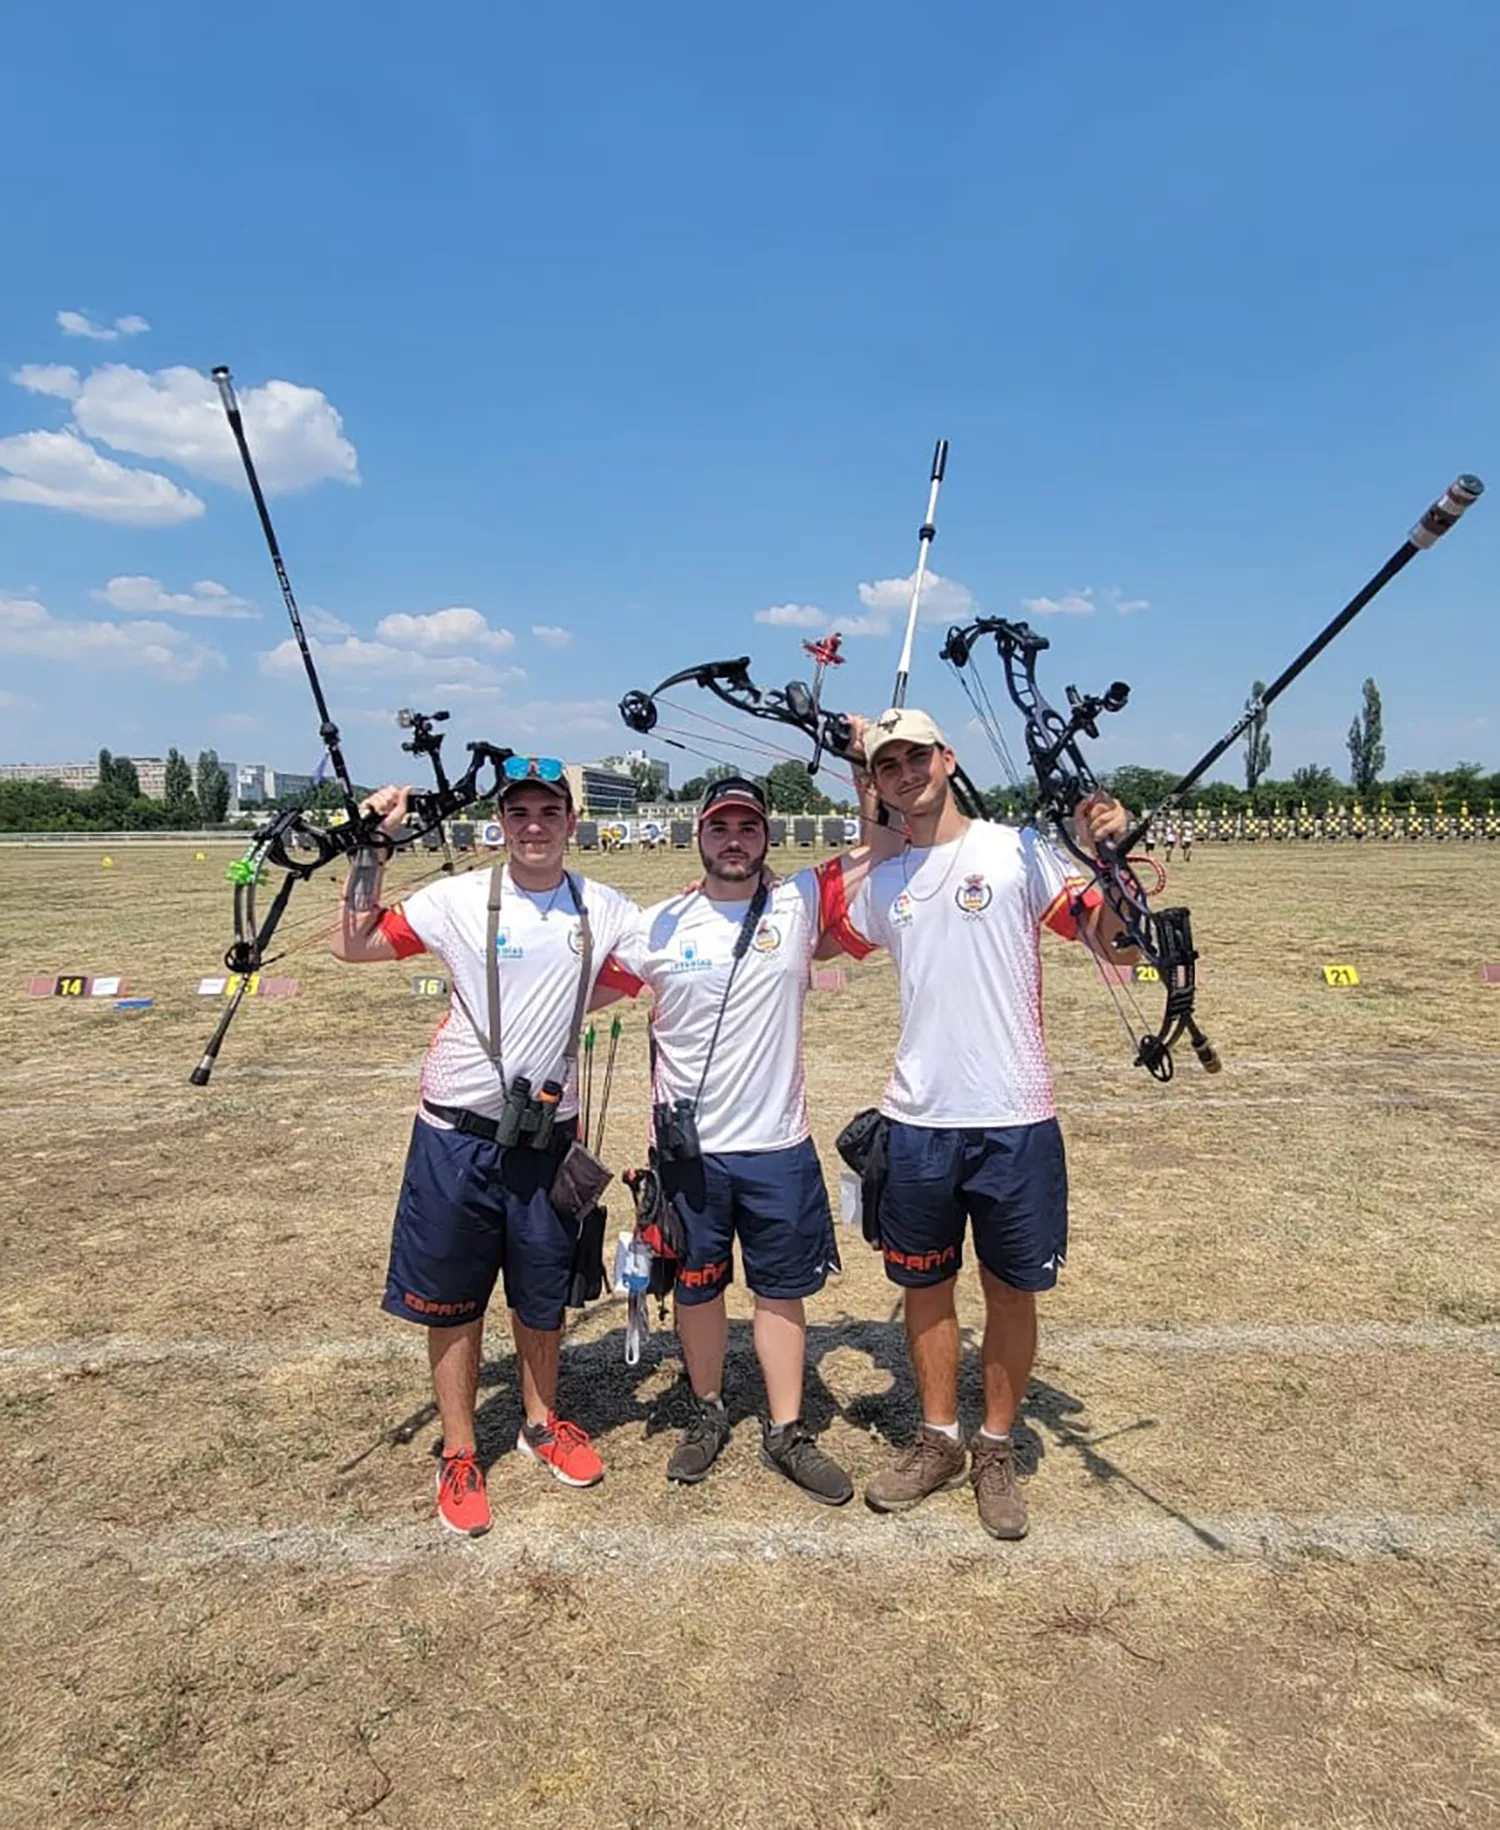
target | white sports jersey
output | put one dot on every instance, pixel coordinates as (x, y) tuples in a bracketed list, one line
[(962, 922), (539, 947), (755, 1097)]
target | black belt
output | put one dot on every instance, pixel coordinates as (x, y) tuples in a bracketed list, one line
[(475, 1124)]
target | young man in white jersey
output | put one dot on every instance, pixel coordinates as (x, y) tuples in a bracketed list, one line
[(973, 1135), (728, 963), (524, 944)]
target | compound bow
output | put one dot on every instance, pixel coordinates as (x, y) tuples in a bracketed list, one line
[(796, 705), (289, 832), (1163, 936)]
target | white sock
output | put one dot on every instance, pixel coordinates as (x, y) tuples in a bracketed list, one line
[(990, 1436), (950, 1430)]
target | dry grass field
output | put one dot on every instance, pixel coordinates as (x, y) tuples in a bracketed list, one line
[(1261, 1586)]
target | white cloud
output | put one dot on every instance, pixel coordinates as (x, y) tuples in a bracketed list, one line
[(552, 635), (1084, 603), (60, 470), (54, 378), (442, 630), (138, 595), (80, 324), (16, 703), (548, 719), (318, 621), (29, 628), (857, 626), (1071, 603), (944, 600), (356, 659), (793, 616), (295, 434)]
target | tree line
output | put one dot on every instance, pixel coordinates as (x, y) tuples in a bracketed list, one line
[(190, 798), (200, 796)]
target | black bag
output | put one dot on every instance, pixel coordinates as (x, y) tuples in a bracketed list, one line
[(587, 1283), (864, 1144), (580, 1180)]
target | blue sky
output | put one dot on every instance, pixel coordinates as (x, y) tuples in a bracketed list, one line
[(628, 325)]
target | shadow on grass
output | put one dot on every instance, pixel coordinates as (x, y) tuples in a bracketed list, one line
[(602, 1394)]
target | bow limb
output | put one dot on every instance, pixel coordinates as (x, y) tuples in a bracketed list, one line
[(795, 705)]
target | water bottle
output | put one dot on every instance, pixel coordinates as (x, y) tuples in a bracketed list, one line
[(851, 1198), (637, 1267)]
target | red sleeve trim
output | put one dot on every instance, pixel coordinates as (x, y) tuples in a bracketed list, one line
[(614, 977), (400, 933), (833, 911), (1061, 917)]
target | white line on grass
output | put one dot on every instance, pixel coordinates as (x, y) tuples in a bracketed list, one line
[(1325, 1339), (1430, 1098), (854, 1540), (1118, 1064)]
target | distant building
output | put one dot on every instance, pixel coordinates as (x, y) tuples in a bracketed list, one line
[(599, 788), (282, 785), (150, 771), (247, 785), (66, 775)]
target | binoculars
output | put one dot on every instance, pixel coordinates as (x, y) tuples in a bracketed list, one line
[(528, 1118), (676, 1128)]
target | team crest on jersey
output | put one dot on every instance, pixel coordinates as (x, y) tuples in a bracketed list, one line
[(902, 909), (503, 947), (974, 895), (575, 940), (767, 937)]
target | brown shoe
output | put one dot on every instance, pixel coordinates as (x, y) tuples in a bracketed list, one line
[(930, 1463), (992, 1474)]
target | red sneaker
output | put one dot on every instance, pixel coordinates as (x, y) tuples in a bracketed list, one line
[(462, 1503), (563, 1450)]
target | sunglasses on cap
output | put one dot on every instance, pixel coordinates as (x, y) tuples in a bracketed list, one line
[(532, 769)]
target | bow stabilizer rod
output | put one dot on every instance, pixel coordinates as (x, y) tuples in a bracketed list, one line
[(327, 729), (926, 534), (1460, 494)]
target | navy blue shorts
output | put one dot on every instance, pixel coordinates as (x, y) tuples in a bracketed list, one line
[(468, 1213), (1011, 1181), (775, 1201)]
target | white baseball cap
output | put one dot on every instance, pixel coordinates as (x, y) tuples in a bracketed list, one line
[(902, 724)]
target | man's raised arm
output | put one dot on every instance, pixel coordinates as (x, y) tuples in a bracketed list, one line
[(365, 930)]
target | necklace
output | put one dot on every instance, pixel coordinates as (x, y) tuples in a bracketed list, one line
[(520, 890), (948, 872)]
